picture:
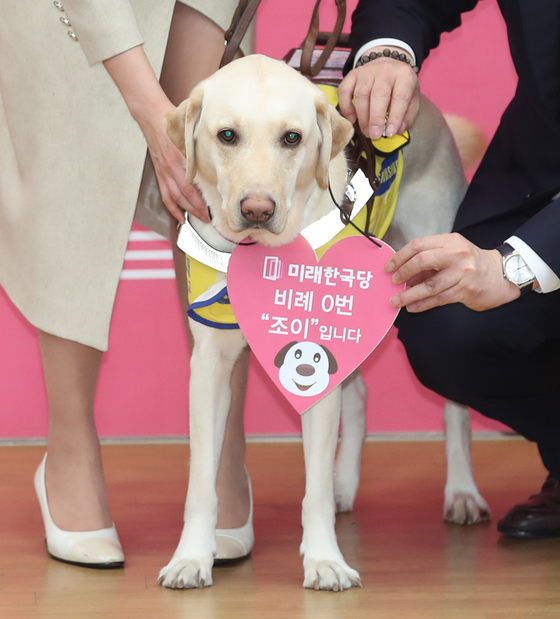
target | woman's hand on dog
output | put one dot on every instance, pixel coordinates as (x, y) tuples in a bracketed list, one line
[(170, 171), (447, 268), (132, 73), (383, 85)]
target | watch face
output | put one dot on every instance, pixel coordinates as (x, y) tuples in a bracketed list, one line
[(517, 271)]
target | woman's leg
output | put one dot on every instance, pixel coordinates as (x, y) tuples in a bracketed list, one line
[(75, 485), (193, 53)]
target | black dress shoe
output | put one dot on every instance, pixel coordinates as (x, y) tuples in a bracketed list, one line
[(537, 518)]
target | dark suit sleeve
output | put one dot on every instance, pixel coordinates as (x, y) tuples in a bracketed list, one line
[(542, 234), (416, 22)]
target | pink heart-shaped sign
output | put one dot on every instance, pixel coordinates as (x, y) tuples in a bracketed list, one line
[(309, 322)]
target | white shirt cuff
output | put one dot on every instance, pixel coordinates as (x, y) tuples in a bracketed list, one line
[(379, 42), (547, 278)]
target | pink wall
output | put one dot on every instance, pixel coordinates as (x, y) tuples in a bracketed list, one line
[(143, 384)]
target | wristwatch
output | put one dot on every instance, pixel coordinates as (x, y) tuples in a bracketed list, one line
[(515, 269)]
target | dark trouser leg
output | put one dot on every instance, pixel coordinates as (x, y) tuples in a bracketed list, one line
[(504, 363)]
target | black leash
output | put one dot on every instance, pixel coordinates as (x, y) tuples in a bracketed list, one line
[(347, 220)]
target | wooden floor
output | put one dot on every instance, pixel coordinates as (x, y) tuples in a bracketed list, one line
[(412, 564)]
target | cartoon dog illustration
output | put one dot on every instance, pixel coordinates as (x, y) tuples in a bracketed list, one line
[(305, 368)]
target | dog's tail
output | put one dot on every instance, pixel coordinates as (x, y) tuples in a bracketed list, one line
[(471, 140)]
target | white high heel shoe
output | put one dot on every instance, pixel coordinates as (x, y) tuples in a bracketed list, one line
[(232, 544), (98, 549)]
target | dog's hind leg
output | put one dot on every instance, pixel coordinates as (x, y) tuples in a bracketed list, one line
[(214, 354), (463, 502), (348, 461), (323, 563)]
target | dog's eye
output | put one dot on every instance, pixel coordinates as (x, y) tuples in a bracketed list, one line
[(227, 136), (316, 357), (292, 138), (297, 354)]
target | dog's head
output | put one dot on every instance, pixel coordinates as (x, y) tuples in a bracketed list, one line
[(258, 139), (305, 368)]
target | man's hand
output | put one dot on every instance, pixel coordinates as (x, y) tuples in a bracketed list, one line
[(447, 268), (382, 85)]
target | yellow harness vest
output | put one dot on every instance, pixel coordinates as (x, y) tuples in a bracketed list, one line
[(208, 298)]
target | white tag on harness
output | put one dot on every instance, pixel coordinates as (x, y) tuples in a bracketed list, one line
[(323, 230), (196, 247)]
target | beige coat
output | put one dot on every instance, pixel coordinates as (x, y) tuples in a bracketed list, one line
[(71, 156)]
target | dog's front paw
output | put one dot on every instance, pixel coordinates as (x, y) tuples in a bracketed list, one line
[(466, 508), (330, 576), (186, 574)]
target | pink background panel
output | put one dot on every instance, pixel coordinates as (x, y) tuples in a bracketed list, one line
[(143, 383)]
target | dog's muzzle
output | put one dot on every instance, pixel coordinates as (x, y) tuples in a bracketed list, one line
[(257, 212)]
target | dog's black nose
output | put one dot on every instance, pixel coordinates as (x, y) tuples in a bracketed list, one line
[(257, 210), (305, 370)]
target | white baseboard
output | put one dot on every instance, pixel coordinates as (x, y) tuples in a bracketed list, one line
[(268, 438)]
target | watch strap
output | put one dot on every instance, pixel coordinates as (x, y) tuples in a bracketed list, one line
[(506, 249)]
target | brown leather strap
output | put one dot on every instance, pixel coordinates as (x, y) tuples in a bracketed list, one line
[(242, 17), (362, 144), (311, 40)]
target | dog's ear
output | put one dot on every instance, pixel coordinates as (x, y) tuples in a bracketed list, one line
[(180, 126), (281, 355), (336, 132), (333, 365)]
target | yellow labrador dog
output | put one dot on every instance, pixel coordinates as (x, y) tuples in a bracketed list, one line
[(262, 143)]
